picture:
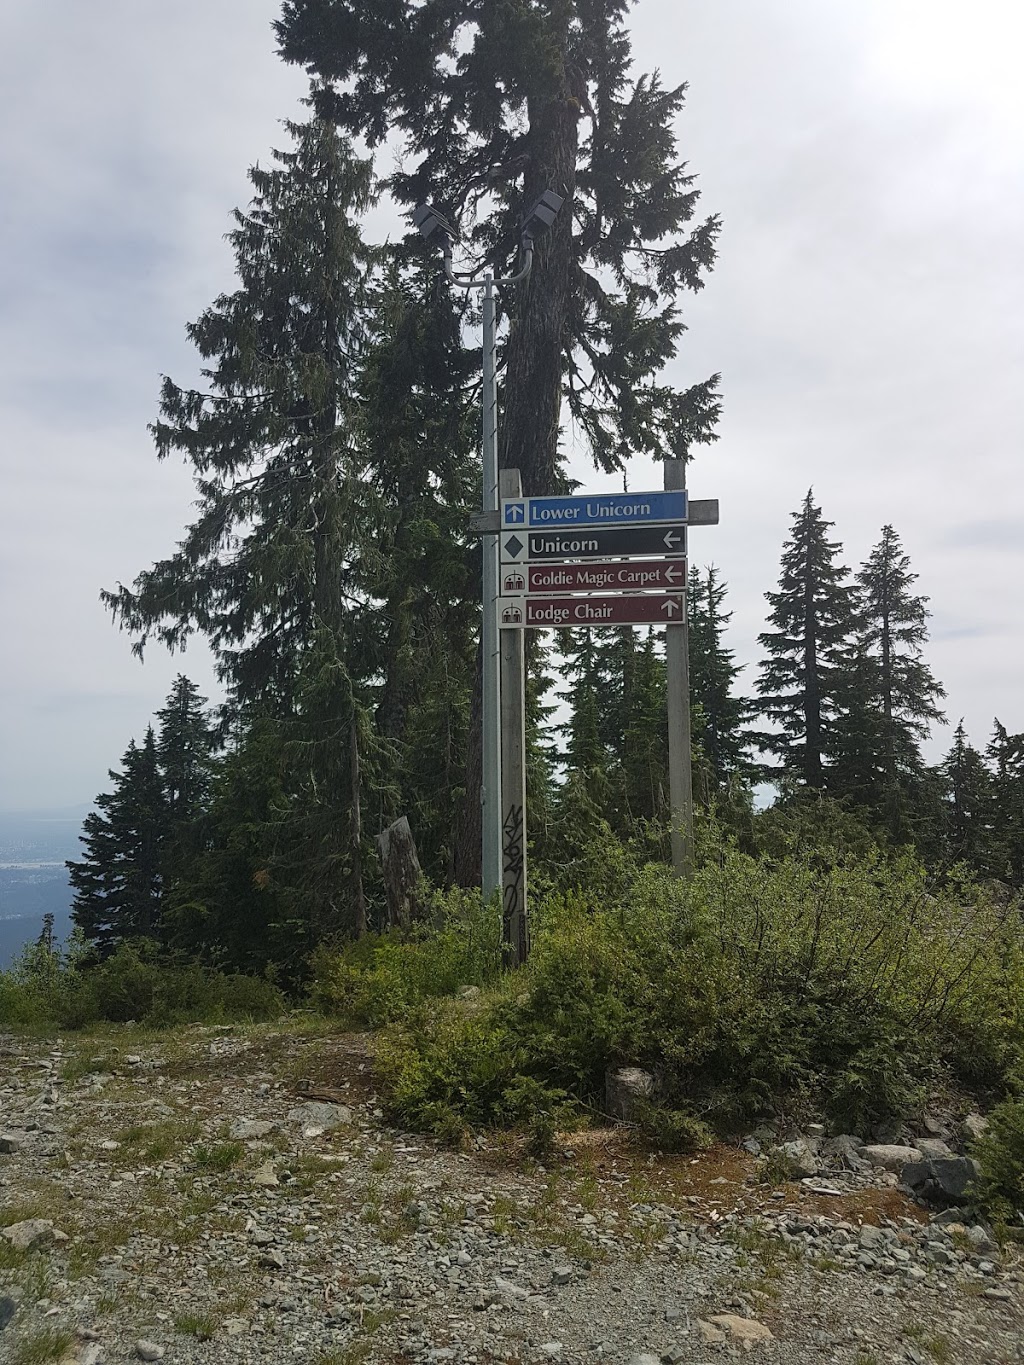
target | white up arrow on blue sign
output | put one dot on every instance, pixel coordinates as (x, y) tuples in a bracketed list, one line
[(596, 509)]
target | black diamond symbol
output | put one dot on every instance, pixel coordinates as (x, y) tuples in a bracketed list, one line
[(513, 545)]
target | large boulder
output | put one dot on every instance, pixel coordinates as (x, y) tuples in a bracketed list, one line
[(890, 1156)]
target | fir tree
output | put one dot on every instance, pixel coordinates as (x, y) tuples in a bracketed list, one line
[(720, 718), (494, 104), (279, 568), (1006, 757), (118, 883), (897, 685), (809, 651), (968, 797), (273, 553), (644, 756), (185, 743)]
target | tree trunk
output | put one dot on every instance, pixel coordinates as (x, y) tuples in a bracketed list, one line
[(537, 342), (403, 876), (469, 834), (358, 893)]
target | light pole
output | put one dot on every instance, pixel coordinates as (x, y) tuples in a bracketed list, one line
[(430, 222)]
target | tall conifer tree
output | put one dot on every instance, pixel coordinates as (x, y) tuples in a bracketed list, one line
[(721, 718), (1006, 757), (968, 801), (809, 651), (897, 685), (118, 883), (493, 105)]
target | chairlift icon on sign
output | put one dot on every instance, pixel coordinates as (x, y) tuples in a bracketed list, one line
[(514, 582), (512, 616)]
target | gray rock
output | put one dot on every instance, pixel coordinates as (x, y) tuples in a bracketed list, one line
[(551, 1350), (273, 1259), (11, 1143), (916, 1174), (954, 1174), (871, 1238), (890, 1156), (933, 1149), (8, 1308), (321, 1115), (261, 1238), (149, 1350), (974, 1126), (625, 1090), (246, 1130), (646, 1358), (561, 1274), (800, 1156), (33, 1232), (981, 1239)]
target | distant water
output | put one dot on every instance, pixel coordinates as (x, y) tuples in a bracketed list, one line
[(33, 878)]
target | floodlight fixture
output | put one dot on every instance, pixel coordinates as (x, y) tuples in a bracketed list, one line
[(543, 213), (428, 220)]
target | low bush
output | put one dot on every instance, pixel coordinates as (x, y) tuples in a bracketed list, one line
[(791, 986), (382, 977), (1001, 1154), (54, 988)]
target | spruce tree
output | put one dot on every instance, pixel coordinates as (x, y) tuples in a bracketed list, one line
[(280, 569), (185, 742), (720, 718), (898, 687), (493, 105), (118, 883), (809, 651), (968, 794), (644, 756), (274, 553), (1006, 758)]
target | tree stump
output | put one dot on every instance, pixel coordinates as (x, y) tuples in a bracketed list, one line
[(403, 876)]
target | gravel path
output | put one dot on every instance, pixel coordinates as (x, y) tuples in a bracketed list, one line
[(234, 1195)]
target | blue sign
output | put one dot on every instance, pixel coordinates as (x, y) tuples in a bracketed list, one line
[(596, 509)]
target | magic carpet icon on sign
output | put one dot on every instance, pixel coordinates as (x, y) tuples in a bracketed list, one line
[(515, 512)]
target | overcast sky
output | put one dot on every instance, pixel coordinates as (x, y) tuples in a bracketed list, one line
[(867, 159)]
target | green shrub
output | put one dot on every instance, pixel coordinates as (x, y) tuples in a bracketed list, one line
[(1001, 1154), (54, 989), (802, 984), (382, 977)]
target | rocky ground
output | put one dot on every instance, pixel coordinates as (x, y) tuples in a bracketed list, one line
[(234, 1195)]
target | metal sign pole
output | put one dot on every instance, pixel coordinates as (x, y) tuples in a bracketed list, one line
[(515, 924), (490, 789), (680, 759)]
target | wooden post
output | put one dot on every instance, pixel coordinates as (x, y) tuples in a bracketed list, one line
[(680, 759), (515, 925)]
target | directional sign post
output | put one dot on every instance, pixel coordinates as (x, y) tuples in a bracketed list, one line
[(596, 509), (640, 575), (564, 613), (522, 547)]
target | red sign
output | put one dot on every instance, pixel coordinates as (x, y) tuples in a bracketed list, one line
[(557, 613), (617, 575)]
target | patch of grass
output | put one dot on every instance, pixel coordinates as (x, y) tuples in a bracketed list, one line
[(202, 1326), (159, 1141), (383, 1161), (219, 1158), (10, 1257), (354, 1354), (939, 1348), (51, 1343)]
